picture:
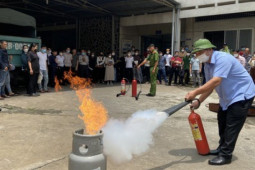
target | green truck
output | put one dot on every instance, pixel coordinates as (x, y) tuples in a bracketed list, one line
[(17, 29), (15, 45)]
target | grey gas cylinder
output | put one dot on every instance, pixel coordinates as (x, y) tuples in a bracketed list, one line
[(87, 152)]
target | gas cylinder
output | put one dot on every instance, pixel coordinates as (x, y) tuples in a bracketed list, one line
[(134, 88), (198, 133), (123, 87), (87, 152)]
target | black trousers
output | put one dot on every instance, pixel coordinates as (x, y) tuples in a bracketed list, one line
[(33, 83), (175, 71), (187, 74), (129, 74), (60, 74), (83, 71), (100, 71), (52, 75), (147, 73), (230, 123), (168, 70)]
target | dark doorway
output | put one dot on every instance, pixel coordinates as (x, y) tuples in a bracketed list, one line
[(161, 41), (59, 40), (216, 37)]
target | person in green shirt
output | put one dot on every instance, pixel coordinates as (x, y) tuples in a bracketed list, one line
[(186, 62), (225, 48), (153, 58)]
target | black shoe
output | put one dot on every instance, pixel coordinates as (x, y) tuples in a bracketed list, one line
[(214, 152), (33, 95), (219, 160), (150, 95)]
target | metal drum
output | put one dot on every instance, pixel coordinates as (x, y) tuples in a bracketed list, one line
[(87, 152)]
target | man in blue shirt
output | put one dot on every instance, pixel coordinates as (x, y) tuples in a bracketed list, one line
[(4, 66), (162, 70), (236, 92)]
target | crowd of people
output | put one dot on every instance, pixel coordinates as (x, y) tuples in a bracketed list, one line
[(44, 65)]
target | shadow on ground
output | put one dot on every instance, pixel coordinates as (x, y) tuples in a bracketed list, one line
[(183, 154), (186, 153)]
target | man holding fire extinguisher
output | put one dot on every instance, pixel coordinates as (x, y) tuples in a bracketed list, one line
[(236, 92), (153, 58)]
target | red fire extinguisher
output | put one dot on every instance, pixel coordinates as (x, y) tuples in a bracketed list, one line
[(134, 88), (123, 87), (198, 133)]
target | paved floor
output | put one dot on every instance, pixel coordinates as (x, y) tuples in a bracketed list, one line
[(36, 132)]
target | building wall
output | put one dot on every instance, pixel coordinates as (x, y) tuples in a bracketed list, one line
[(195, 30), (96, 34), (134, 27), (199, 9), (134, 33)]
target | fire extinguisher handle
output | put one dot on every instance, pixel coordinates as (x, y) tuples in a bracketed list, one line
[(199, 103)]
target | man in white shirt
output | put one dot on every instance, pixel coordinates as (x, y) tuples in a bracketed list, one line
[(42, 55), (68, 59), (168, 57)]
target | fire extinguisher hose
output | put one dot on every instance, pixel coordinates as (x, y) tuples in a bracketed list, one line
[(137, 96), (175, 108)]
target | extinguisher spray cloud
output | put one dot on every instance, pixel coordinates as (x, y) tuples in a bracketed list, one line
[(125, 139)]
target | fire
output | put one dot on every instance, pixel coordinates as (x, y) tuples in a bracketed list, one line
[(94, 114), (57, 86)]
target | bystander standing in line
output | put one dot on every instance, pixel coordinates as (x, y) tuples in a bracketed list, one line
[(25, 66), (60, 67), (53, 67), (137, 72), (43, 75), (176, 63), (34, 69), (168, 57), (239, 57), (247, 57), (129, 66), (162, 69), (109, 69), (4, 66), (75, 58), (100, 67), (195, 70), (83, 65)]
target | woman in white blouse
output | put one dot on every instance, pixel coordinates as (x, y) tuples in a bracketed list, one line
[(100, 68)]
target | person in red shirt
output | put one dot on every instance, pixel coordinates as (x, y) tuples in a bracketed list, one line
[(176, 63)]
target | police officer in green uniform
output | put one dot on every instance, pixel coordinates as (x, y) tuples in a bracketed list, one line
[(153, 58)]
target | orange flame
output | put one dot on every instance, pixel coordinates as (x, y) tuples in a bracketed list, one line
[(57, 86), (94, 114)]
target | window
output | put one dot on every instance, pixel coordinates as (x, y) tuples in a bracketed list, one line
[(231, 39), (236, 39), (245, 38)]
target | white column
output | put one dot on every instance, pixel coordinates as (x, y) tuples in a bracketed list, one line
[(178, 31), (173, 32)]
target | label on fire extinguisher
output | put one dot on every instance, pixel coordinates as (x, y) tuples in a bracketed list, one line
[(195, 131), (123, 88)]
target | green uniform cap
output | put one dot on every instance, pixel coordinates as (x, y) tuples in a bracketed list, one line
[(202, 44)]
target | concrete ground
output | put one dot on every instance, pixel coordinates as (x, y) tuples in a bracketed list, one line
[(36, 132)]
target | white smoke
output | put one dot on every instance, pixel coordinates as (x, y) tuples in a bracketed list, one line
[(124, 139)]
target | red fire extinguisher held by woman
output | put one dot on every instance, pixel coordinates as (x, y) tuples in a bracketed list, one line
[(198, 133)]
